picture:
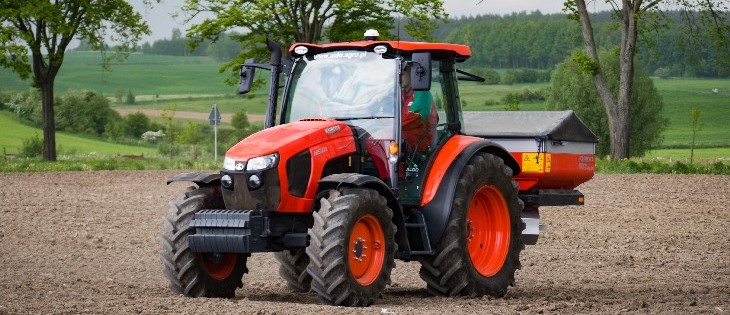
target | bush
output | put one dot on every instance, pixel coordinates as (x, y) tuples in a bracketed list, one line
[(489, 102), (239, 121), (662, 73), (512, 98), (32, 147), (526, 76), (153, 136), (169, 149), (528, 95), (27, 107), (544, 75), (491, 77), (130, 99), (658, 167), (85, 112), (5, 98), (509, 78), (119, 95)]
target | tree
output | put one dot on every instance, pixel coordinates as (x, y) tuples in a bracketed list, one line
[(135, 124), (573, 89), (130, 99), (43, 29), (632, 16), (306, 21), (168, 145), (240, 120), (194, 134), (84, 111)]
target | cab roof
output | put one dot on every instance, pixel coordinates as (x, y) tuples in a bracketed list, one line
[(458, 52)]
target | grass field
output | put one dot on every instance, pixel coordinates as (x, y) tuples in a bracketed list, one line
[(680, 95), (701, 153), (193, 79), (143, 74), (13, 133)]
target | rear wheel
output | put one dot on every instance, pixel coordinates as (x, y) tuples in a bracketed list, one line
[(197, 274), (293, 268), (479, 250), (352, 247)]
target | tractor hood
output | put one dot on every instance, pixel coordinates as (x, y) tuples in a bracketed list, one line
[(288, 139)]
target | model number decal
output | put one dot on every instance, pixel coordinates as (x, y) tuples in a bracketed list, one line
[(331, 130), (319, 151)]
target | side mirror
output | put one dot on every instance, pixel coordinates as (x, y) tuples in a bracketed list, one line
[(421, 71), (246, 73)]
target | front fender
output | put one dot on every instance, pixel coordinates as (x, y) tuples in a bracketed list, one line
[(199, 178)]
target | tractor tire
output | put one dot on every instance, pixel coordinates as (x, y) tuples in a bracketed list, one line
[(352, 245), (293, 268), (215, 275), (480, 248)]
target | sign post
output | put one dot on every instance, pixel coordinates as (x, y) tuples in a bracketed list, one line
[(215, 120)]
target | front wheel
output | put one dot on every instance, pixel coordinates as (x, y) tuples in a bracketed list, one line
[(352, 247), (197, 274), (480, 248)]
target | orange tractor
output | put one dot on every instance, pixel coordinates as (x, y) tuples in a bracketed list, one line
[(336, 188)]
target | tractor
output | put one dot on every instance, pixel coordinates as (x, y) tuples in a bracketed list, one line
[(335, 188)]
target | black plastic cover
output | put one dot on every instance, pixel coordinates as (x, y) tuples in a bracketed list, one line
[(551, 125)]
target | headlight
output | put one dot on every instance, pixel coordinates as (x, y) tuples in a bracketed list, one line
[(262, 162), (231, 165)]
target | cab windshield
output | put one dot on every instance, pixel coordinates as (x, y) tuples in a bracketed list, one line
[(356, 87)]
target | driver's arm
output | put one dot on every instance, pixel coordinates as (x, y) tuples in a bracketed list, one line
[(421, 104)]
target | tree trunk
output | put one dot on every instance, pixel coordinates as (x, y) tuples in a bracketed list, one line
[(620, 132), (49, 121), (619, 120)]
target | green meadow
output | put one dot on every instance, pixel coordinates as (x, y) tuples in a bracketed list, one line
[(140, 73), (680, 95), (12, 134), (194, 84)]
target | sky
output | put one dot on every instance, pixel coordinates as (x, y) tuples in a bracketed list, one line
[(161, 22)]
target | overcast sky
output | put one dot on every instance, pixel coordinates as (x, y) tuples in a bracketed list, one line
[(161, 22)]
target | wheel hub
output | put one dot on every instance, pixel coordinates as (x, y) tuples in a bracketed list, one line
[(365, 251), (487, 231), (215, 258), (359, 249), (218, 265)]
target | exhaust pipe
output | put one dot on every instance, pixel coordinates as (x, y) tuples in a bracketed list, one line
[(275, 50)]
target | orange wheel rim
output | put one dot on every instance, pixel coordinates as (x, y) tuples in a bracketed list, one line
[(366, 250), (218, 269), (488, 231)]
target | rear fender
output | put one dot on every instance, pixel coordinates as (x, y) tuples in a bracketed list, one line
[(199, 178), (439, 190), (336, 181)]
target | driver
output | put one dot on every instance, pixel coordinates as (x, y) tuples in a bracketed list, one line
[(418, 113)]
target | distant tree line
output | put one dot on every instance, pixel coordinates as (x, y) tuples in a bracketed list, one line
[(541, 41), (225, 48)]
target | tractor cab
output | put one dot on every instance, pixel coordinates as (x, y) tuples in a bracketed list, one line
[(362, 85)]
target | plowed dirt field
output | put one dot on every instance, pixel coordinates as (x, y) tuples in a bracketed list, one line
[(87, 242)]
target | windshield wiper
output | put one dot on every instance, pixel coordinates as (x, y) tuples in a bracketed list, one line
[(359, 118)]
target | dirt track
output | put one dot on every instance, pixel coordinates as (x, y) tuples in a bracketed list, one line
[(87, 243)]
